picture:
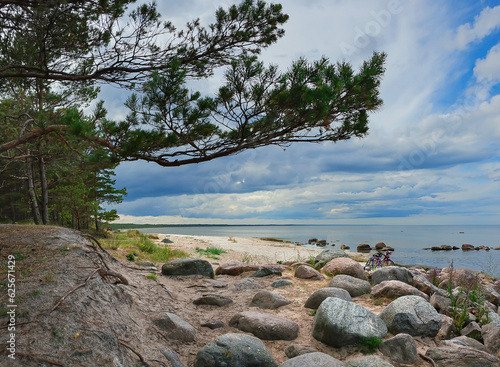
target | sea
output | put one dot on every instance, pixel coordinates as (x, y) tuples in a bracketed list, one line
[(408, 241)]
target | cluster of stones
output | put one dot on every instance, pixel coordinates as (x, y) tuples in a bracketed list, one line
[(465, 247), (419, 309)]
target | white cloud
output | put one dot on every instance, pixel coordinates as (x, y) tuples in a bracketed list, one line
[(484, 24), (488, 69)]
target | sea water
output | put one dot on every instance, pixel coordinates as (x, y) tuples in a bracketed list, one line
[(408, 241)]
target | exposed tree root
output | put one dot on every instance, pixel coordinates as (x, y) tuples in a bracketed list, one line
[(428, 359), (134, 351), (74, 289)]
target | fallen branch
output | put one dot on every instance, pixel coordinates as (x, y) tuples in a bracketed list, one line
[(134, 351), (30, 356), (74, 289)]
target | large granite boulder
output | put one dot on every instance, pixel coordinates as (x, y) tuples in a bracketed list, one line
[(176, 328), (235, 350), (392, 273), (400, 349), (355, 286), (369, 361), (306, 272), (188, 267), (461, 357), (339, 323), (265, 326), (491, 338), (268, 300), (237, 267), (328, 255), (492, 295), (396, 289), (316, 359), (321, 294), (494, 318), (411, 315), (346, 266)]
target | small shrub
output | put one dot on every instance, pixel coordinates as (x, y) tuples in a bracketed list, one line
[(211, 252), (312, 313), (130, 257), (147, 245), (165, 254), (433, 276), (152, 236), (370, 345)]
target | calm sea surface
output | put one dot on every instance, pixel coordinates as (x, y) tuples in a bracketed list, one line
[(408, 241)]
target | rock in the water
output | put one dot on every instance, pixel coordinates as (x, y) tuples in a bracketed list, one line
[(265, 326), (264, 272), (467, 247), (316, 359), (233, 349), (392, 273), (396, 289), (461, 357), (400, 349), (295, 350), (214, 324), (188, 267), (379, 246), (364, 247), (355, 286), (321, 294), (247, 283), (213, 300), (328, 255), (268, 300), (491, 338), (339, 323), (175, 327), (281, 283), (346, 266), (411, 315), (306, 272), (370, 361), (237, 267)]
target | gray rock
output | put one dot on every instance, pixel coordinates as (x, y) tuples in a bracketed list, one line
[(264, 272), (356, 287), (216, 283), (265, 326), (268, 300), (327, 255), (247, 283), (238, 350), (461, 357), (440, 303), (396, 289), (491, 338), (423, 284), (214, 324), (321, 294), (213, 300), (469, 342), (281, 283), (473, 330), (412, 315), (339, 323), (306, 272), (175, 327), (447, 326), (400, 349), (295, 350), (172, 357), (237, 268), (494, 318), (316, 359), (188, 267), (392, 273), (491, 295), (370, 361)]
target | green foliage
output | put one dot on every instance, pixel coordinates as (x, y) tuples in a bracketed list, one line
[(130, 257), (370, 345), (152, 276), (312, 313), (211, 252)]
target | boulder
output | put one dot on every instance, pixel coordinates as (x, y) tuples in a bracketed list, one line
[(295, 350), (461, 357), (364, 247), (235, 350), (247, 283), (411, 315), (172, 357), (344, 247), (472, 330), (447, 327), (379, 246), (491, 338), (400, 349), (213, 300), (264, 272), (188, 267), (491, 295), (265, 326), (320, 295), (370, 361), (423, 284), (237, 268), (494, 318), (312, 240), (345, 266), (396, 289), (328, 255), (356, 287), (306, 272), (281, 283), (468, 342), (321, 243), (175, 327), (467, 247), (268, 300), (392, 273), (316, 359), (440, 303), (339, 323)]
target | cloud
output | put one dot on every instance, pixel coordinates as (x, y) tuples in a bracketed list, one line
[(488, 69), (487, 22)]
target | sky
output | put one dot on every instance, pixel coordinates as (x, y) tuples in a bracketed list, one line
[(432, 152)]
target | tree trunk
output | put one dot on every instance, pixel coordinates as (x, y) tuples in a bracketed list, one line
[(31, 191), (45, 194)]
